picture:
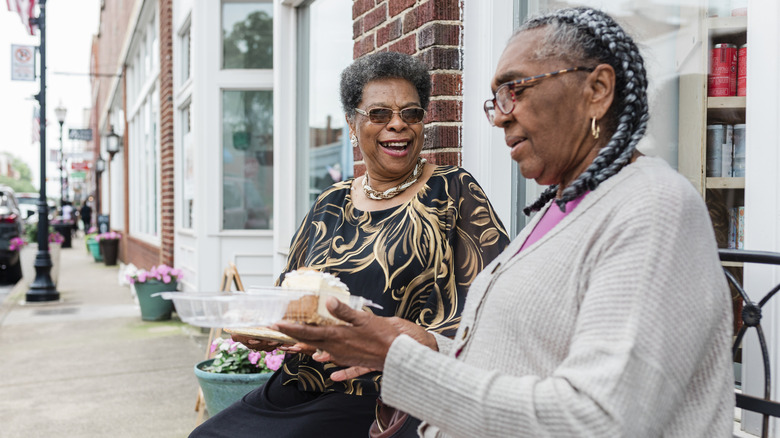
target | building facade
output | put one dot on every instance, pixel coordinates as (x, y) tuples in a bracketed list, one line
[(231, 124)]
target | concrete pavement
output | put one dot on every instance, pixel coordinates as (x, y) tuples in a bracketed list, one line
[(87, 365)]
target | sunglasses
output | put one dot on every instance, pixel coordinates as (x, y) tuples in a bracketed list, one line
[(504, 97), (382, 116)]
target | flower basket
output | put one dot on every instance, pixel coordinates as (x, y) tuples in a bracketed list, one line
[(65, 229), (222, 390), (154, 308), (234, 371), (109, 246), (160, 278), (94, 248)]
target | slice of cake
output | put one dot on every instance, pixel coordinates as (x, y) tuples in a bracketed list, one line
[(310, 309)]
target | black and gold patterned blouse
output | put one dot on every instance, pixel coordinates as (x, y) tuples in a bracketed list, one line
[(416, 260)]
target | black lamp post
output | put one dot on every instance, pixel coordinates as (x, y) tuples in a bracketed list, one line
[(61, 112), (100, 167), (42, 288)]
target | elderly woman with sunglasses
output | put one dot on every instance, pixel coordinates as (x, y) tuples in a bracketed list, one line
[(608, 316), (408, 235)]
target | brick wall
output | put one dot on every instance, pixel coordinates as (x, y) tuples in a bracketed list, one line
[(432, 31), (166, 130)]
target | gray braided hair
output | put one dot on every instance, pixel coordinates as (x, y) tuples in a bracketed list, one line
[(586, 35)]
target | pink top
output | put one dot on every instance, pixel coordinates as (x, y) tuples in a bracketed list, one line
[(551, 217)]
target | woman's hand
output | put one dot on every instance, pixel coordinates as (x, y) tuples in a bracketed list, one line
[(363, 343)]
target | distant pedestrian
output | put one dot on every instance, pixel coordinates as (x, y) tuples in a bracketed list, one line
[(86, 216), (67, 211)]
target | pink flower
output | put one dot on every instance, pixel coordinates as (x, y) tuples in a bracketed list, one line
[(254, 356), (273, 361), (130, 279), (142, 276)]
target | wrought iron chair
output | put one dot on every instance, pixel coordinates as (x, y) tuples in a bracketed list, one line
[(751, 317)]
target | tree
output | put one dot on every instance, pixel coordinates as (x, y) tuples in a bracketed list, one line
[(24, 182)]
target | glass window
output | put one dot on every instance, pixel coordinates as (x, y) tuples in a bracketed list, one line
[(325, 47), (143, 135), (247, 160), (187, 169), (185, 56), (247, 35)]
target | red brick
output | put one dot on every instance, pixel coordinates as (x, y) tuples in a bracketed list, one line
[(360, 7), (364, 46), (357, 28), (357, 155), (410, 21), (439, 34), (445, 111), (442, 58), (441, 137), (375, 17), (398, 6), (447, 84), (443, 158), (407, 45), (389, 32), (444, 10)]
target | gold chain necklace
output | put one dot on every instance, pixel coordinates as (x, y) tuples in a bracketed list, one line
[(394, 191)]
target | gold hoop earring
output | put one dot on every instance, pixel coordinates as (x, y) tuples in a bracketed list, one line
[(594, 128)]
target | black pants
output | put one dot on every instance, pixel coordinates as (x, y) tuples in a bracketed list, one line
[(279, 411)]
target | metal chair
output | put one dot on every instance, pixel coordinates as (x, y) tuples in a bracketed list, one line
[(751, 317)]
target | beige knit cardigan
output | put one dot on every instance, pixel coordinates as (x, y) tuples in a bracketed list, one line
[(616, 323)]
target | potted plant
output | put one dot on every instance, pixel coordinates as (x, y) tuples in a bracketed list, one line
[(93, 247), (148, 283), (65, 228), (55, 243), (233, 372), (109, 246)]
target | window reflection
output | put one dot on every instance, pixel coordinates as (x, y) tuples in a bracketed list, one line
[(247, 35), (326, 40), (247, 160)]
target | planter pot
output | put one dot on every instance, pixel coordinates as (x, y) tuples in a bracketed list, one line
[(110, 250), (154, 308), (54, 253), (94, 249), (222, 390), (65, 230)]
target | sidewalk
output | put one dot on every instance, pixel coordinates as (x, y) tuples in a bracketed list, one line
[(87, 365)]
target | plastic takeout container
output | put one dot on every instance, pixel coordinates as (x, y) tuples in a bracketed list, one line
[(256, 307)]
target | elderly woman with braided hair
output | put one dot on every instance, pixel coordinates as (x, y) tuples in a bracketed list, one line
[(608, 315)]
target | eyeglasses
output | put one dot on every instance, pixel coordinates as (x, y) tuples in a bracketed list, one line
[(382, 116), (504, 97)]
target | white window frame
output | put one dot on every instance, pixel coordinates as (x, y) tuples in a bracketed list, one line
[(143, 112)]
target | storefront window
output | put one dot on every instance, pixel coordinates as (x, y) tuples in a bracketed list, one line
[(247, 160), (247, 35), (187, 169), (325, 48)]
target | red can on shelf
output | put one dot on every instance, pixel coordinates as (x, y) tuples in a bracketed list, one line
[(722, 80), (742, 70)]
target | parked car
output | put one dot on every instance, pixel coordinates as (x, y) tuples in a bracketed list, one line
[(28, 204), (11, 225)]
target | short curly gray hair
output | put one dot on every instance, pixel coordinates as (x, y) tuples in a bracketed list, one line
[(383, 65)]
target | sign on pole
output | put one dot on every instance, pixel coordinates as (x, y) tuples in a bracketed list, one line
[(22, 63), (80, 134), (80, 165)]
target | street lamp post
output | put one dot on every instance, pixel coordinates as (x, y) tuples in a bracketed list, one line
[(42, 288), (61, 112)]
